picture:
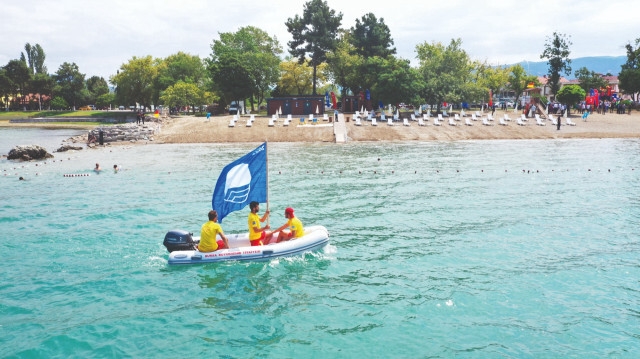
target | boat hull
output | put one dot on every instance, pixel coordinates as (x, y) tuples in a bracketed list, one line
[(315, 238)]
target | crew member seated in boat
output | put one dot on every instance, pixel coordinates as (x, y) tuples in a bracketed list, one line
[(258, 235), (296, 229), (208, 234)]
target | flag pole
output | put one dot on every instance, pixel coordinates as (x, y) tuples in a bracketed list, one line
[(266, 149)]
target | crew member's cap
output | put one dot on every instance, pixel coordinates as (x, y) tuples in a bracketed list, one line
[(288, 210)]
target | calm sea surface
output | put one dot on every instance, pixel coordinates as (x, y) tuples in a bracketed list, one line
[(456, 253)]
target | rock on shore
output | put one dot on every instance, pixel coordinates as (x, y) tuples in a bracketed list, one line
[(28, 153)]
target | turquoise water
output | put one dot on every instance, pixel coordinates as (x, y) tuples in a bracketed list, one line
[(50, 139), (457, 253)]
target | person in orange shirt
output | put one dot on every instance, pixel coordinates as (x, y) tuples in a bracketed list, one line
[(208, 234), (296, 229)]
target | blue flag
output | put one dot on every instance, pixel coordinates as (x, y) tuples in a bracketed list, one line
[(326, 96), (241, 182), (368, 95)]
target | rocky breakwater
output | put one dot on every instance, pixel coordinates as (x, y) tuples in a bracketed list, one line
[(28, 153), (129, 132)]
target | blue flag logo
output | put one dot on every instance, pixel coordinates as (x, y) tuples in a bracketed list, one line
[(241, 182)]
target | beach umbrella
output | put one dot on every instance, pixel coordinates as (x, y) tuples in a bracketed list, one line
[(450, 108), (565, 113), (515, 108), (361, 108), (280, 111), (317, 109)]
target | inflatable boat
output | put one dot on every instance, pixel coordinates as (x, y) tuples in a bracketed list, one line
[(181, 244)]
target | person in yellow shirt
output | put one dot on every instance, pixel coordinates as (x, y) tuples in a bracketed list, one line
[(208, 234), (258, 235), (296, 229)]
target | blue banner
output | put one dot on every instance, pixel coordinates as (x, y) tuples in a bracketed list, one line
[(326, 96), (368, 95), (241, 182)]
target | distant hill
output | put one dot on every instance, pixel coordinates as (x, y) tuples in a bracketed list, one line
[(599, 64)]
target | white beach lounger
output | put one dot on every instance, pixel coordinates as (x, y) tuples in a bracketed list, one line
[(421, 122), (440, 117), (445, 114), (473, 117), (523, 117), (569, 122), (506, 117), (286, 121), (358, 123), (485, 122), (468, 122), (413, 117), (232, 122), (250, 121), (374, 122), (539, 121), (456, 117), (462, 113), (436, 122), (272, 121), (502, 122), (452, 122), (325, 117), (383, 117), (519, 121), (405, 121), (554, 121), (389, 121), (357, 115), (478, 114), (489, 117)]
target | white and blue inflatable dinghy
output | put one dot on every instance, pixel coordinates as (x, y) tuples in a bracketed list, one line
[(180, 243)]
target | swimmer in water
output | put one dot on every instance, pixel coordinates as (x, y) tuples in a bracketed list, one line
[(116, 168), (97, 168)]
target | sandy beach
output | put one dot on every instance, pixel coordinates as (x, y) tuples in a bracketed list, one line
[(199, 130)]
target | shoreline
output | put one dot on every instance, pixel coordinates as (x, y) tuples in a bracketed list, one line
[(188, 129)]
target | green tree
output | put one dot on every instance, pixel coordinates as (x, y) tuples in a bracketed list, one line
[(571, 95), (42, 84), (518, 80), (59, 103), (556, 52), (445, 72), (630, 72), (20, 76), (105, 100), (396, 82), (256, 53), (372, 37), (183, 94), (491, 78), (71, 82), (178, 67), (96, 87), (34, 59), (6, 87), (589, 79), (344, 66), (296, 78), (314, 34), (134, 81)]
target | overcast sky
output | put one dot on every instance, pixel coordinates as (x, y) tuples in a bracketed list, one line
[(101, 35)]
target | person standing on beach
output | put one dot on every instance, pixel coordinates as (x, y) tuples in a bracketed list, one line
[(296, 229), (258, 235), (559, 120), (208, 234)]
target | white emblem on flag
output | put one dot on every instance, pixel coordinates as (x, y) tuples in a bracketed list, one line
[(238, 184)]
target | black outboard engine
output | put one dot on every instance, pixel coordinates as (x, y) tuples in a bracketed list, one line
[(179, 240)]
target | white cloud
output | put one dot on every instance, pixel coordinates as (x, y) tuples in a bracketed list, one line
[(101, 35)]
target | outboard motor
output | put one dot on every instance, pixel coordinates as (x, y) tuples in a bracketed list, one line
[(179, 240)]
